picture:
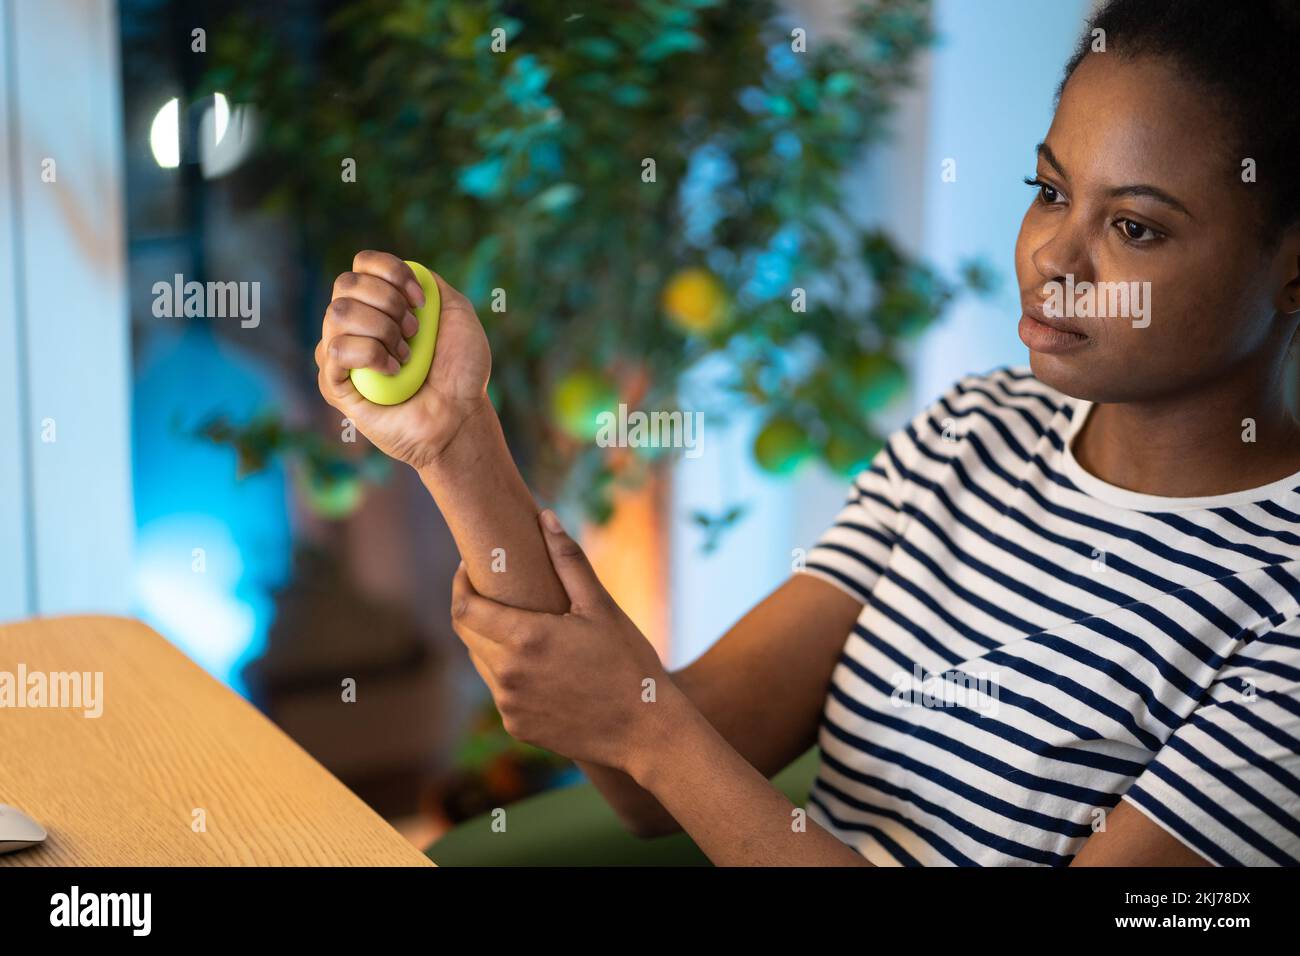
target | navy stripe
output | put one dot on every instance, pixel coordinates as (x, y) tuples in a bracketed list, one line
[(854, 585), (1024, 413), (1288, 781), (1053, 409), (1027, 704), (1250, 527), (954, 784), (1072, 754), (885, 537), (1193, 530), (1247, 716), (875, 569), (979, 834), (1277, 511), (1268, 667), (1143, 798), (900, 855), (1114, 562), (1192, 792), (1162, 621), (1074, 689), (943, 846)]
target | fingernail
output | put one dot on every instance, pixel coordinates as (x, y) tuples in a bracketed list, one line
[(403, 351), (552, 522), (415, 292), (410, 324), (393, 366)]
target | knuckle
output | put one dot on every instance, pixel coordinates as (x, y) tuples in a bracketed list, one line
[(392, 336), (347, 280), (341, 307), (568, 548), (372, 259), (396, 302), (510, 677), (458, 607), (530, 638)]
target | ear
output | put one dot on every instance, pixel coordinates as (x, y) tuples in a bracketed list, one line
[(1287, 300)]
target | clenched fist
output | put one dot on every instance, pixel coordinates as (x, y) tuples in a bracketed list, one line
[(367, 325)]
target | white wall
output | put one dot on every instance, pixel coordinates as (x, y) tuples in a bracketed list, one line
[(983, 97), (65, 504), (15, 582), (994, 78)]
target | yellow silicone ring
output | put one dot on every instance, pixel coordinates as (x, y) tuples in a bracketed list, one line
[(384, 389)]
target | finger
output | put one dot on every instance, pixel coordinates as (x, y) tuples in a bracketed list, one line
[(351, 317), (346, 352), (397, 273), (377, 293), (571, 565), (497, 623), (342, 395), (372, 290), (482, 654)]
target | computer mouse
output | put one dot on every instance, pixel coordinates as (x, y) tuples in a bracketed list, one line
[(384, 389), (17, 830)]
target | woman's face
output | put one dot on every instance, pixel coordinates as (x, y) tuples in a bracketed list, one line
[(1140, 188)]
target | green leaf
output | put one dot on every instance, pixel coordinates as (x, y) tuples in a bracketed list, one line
[(670, 44), (629, 95), (599, 49), (555, 198)]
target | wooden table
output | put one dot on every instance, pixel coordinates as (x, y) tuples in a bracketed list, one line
[(122, 789)]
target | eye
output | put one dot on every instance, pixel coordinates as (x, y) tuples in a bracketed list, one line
[(1136, 233), (1047, 193)]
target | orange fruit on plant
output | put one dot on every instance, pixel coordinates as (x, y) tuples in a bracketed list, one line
[(695, 300)]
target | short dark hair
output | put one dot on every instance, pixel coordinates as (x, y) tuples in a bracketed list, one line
[(1246, 54)]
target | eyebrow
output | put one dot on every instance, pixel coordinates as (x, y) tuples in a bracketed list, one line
[(1137, 189)]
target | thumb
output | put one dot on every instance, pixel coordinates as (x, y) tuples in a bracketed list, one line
[(571, 565)]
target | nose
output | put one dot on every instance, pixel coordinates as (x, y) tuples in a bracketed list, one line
[(1063, 252)]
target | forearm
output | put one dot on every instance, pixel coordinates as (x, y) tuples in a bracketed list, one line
[(731, 811), (487, 506), (493, 517)]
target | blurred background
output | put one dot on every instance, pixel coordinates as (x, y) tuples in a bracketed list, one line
[(795, 218)]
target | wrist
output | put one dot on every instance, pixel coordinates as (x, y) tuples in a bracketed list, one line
[(477, 429), (667, 726)]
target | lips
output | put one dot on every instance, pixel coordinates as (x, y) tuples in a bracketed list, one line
[(1034, 309)]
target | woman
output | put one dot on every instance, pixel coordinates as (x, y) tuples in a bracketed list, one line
[(1100, 552)]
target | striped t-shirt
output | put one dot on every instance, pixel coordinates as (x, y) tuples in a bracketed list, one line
[(1036, 645)]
